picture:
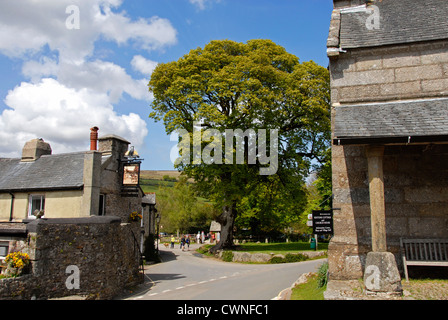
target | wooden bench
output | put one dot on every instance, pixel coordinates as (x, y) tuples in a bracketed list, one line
[(423, 252)]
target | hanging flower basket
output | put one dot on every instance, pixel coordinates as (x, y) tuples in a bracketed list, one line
[(134, 216)]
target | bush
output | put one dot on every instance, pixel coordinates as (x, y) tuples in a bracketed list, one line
[(227, 256), (290, 257), (322, 275), (295, 257), (277, 259)]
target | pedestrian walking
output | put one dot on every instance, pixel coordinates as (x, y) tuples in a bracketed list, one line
[(187, 241), (182, 243), (198, 237), (172, 242)]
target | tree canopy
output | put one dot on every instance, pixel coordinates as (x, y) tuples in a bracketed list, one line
[(279, 104)]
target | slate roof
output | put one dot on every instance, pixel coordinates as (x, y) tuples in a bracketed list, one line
[(401, 21), (60, 171), (396, 119)]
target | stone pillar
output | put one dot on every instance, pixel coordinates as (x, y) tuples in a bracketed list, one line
[(381, 275), (376, 190)]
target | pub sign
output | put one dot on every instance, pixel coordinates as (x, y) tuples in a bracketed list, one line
[(131, 174)]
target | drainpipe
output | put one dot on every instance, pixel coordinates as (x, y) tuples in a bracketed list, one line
[(12, 206)]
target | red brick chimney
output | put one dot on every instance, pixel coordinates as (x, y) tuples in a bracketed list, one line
[(94, 138)]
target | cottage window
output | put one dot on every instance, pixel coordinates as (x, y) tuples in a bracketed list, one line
[(36, 204), (101, 209), (4, 247)]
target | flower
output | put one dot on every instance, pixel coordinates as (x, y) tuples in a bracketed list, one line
[(134, 216), (17, 259)]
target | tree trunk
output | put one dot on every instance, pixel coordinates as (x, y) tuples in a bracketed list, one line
[(227, 220)]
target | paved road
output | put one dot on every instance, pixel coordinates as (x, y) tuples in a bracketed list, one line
[(190, 276)]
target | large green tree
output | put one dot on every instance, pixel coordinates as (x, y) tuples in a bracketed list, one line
[(254, 86), (181, 209)]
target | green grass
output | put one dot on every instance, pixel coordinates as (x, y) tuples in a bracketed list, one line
[(279, 248), (308, 290), (275, 248), (152, 185)]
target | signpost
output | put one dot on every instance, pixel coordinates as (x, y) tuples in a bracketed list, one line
[(322, 222)]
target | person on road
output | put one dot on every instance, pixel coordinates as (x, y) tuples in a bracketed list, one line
[(182, 243), (187, 241), (172, 242)]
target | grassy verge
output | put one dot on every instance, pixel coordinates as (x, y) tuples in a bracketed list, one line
[(308, 290), (275, 248), (279, 248), (314, 287)]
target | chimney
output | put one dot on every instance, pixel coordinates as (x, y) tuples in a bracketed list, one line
[(93, 138), (34, 149)]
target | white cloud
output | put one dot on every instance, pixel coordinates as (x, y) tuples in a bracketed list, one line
[(28, 25), (68, 92), (98, 75), (63, 117), (200, 4), (142, 65)]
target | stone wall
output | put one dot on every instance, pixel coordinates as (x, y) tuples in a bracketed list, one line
[(416, 189), (101, 248), (390, 73), (415, 176)]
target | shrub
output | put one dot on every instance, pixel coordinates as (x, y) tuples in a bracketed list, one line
[(277, 259), (289, 257), (322, 275), (227, 256), (295, 257)]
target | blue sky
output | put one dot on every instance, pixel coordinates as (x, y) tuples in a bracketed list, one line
[(61, 76)]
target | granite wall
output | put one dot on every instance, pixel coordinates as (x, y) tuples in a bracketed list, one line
[(95, 257)]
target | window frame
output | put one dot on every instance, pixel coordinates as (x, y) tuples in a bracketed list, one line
[(4, 244), (31, 198)]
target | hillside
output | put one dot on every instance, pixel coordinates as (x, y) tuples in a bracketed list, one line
[(158, 174), (150, 180)]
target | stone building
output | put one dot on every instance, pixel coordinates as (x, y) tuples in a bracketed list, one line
[(70, 185), (389, 83)]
